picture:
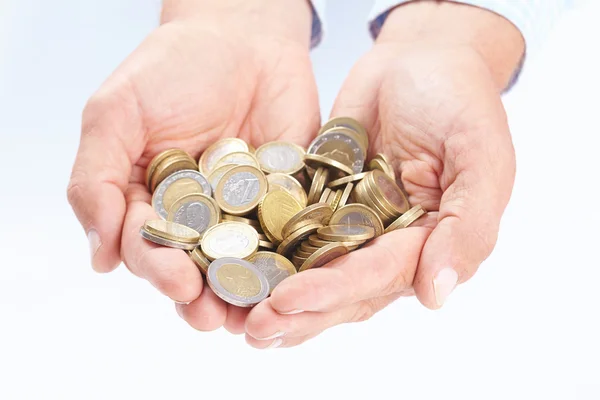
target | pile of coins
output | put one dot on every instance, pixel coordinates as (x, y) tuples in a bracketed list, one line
[(251, 218)]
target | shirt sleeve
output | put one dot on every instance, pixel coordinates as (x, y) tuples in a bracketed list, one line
[(318, 22)]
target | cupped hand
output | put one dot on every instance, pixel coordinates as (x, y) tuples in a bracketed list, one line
[(434, 109), (211, 70)]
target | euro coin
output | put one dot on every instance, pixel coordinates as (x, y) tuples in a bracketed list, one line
[(248, 221), (280, 157), (340, 147), (298, 261), (200, 260), (240, 190), (318, 184), (217, 173), (315, 161), (334, 201), (170, 234), (317, 213), (265, 244), (274, 211), (346, 233), (407, 218), (308, 248), (315, 241), (230, 239), (345, 197), (237, 282), (379, 164), (323, 256), (157, 159), (346, 179), (290, 242), (237, 158), (365, 196), (358, 214), (349, 123), (214, 153), (302, 253), (175, 186), (325, 195), (389, 191), (274, 266), (169, 166), (279, 181), (196, 211)]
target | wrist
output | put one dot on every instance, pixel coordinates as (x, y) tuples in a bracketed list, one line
[(287, 19), (447, 24)]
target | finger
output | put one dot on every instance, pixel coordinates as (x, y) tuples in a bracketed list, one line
[(236, 319), (386, 266), (265, 325), (478, 177), (207, 313), (171, 271), (110, 139)]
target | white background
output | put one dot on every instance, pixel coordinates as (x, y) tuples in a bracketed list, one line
[(526, 326)]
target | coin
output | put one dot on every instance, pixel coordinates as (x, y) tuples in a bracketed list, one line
[(262, 236), (389, 191), (290, 242), (237, 282), (214, 153), (340, 147), (315, 161), (157, 159), (274, 266), (166, 242), (252, 222), (358, 214), (384, 158), (279, 181), (240, 190), (345, 197), (176, 186), (170, 234), (318, 184), (346, 233), (230, 239), (265, 244), (307, 247), (297, 260), (302, 253), (237, 158), (323, 256), (169, 166), (335, 199), (280, 157), (316, 213), (407, 218), (315, 241), (196, 211), (346, 179), (216, 175), (365, 196), (379, 164), (349, 123), (325, 195), (274, 211), (200, 260)]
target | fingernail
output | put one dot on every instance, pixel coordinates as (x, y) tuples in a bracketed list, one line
[(179, 310), (291, 312), (276, 343), (185, 303), (443, 284), (273, 336), (95, 243)]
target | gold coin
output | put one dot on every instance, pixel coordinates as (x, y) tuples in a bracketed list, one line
[(200, 260), (265, 244), (230, 239), (315, 161), (157, 159), (237, 158), (262, 236), (360, 140), (240, 190), (384, 158), (345, 195), (407, 218), (216, 175), (379, 164), (307, 247), (346, 179), (349, 123), (238, 282), (315, 241), (274, 266), (389, 191), (214, 153), (279, 181), (280, 157), (290, 242), (358, 214), (178, 189), (335, 200), (196, 211), (274, 211), (346, 233), (365, 196), (298, 261), (252, 222), (302, 253), (325, 195), (251, 149), (323, 256), (318, 184), (317, 213), (169, 166), (171, 231)]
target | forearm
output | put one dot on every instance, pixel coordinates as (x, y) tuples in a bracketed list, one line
[(432, 23), (290, 19)]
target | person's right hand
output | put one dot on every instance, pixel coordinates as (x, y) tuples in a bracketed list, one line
[(213, 69)]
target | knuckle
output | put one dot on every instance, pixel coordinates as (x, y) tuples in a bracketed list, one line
[(363, 312), (111, 103)]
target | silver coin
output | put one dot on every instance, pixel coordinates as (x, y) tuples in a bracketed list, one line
[(159, 193), (275, 267), (241, 189), (283, 157), (166, 242), (237, 282), (230, 239), (196, 215), (340, 147)]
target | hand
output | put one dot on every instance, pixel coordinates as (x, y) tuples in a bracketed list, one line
[(430, 101), (212, 69)]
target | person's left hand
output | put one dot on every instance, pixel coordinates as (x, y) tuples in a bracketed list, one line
[(434, 108)]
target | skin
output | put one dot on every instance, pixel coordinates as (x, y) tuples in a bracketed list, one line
[(428, 93)]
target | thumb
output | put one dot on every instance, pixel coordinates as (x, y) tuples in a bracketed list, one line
[(480, 171), (101, 173)]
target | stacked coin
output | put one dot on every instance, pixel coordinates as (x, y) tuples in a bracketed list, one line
[(248, 222)]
